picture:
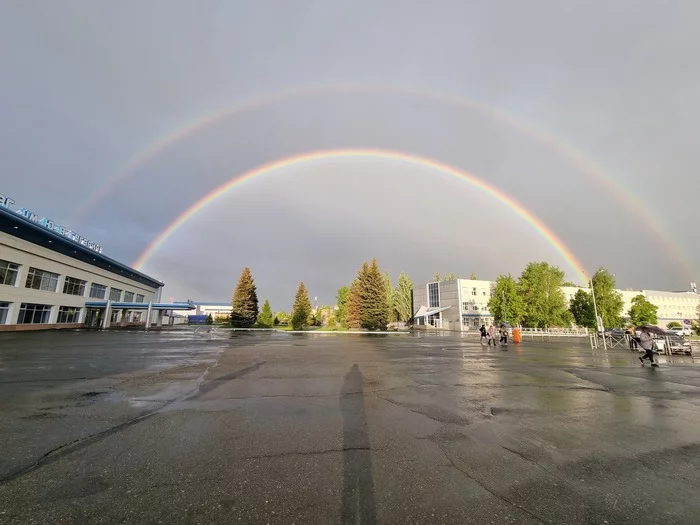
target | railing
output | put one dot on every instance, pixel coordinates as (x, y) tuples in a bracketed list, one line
[(554, 332)]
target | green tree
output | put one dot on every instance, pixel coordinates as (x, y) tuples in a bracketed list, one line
[(374, 312), (451, 277), (696, 323), (608, 300), (674, 324), (544, 302), (642, 311), (244, 306), (403, 298), (266, 319), (210, 319), (437, 276), (354, 319), (301, 311), (505, 303), (472, 276), (388, 298), (342, 298), (581, 307), (281, 317)]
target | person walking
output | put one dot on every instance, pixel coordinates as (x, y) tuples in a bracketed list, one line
[(491, 335), (646, 341), (504, 335), (483, 333)]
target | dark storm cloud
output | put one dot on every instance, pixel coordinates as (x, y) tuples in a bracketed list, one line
[(88, 86)]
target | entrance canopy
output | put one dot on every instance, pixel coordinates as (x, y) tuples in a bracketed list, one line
[(424, 311), (141, 306)]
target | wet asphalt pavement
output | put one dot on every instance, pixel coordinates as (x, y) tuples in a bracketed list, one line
[(222, 427)]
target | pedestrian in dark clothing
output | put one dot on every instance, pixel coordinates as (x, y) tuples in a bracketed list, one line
[(483, 333), (504, 335)]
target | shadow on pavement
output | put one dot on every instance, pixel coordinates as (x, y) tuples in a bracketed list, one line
[(358, 487)]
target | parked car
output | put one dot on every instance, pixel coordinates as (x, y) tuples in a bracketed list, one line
[(678, 344), (680, 330)]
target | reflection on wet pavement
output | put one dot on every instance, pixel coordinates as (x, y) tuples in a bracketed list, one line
[(215, 426)]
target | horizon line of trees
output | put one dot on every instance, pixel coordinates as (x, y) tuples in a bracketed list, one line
[(534, 299), (370, 302)]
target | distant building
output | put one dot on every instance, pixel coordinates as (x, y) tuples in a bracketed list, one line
[(216, 310), (462, 304)]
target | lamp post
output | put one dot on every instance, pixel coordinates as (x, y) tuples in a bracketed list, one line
[(595, 311)]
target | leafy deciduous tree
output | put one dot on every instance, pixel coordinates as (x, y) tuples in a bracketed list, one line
[(244, 306), (642, 311), (544, 302), (608, 300), (581, 307), (388, 298), (403, 298), (342, 298), (505, 303)]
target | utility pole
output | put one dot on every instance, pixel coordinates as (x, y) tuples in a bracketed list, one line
[(595, 311)]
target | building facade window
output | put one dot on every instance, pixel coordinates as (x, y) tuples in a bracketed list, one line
[(115, 294), (68, 314), (473, 291), (97, 291), (34, 313), (74, 286), (128, 297), (8, 273), (139, 298), (4, 312), (433, 295), (465, 306), (114, 317), (42, 280)]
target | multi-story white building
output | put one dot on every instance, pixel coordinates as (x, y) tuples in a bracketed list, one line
[(53, 278), (462, 304)]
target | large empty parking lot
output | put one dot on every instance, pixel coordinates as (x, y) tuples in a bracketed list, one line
[(230, 427)]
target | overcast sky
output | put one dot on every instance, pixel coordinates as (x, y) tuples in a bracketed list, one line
[(88, 86)]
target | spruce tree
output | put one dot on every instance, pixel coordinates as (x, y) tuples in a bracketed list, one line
[(266, 318), (355, 301), (301, 312), (374, 311), (244, 306)]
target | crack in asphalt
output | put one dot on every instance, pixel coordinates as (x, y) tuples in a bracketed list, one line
[(78, 444), (309, 453), (493, 493), (534, 462), (409, 409)]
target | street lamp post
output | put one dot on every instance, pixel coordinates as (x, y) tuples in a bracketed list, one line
[(595, 311)]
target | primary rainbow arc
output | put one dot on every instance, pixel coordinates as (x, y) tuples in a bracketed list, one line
[(543, 230)]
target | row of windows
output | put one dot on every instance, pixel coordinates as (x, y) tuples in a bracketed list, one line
[(47, 281), (40, 313), (474, 307)]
